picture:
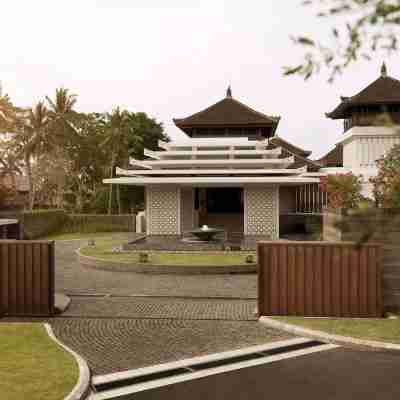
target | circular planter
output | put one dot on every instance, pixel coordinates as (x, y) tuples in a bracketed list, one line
[(108, 265)]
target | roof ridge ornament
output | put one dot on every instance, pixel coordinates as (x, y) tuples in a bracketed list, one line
[(384, 73), (229, 92)]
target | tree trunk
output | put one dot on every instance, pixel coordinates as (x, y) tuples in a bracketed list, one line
[(111, 186), (119, 199), (31, 195)]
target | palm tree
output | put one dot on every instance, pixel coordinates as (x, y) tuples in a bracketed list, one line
[(62, 116), (118, 126), (31, 139), (7, 113)]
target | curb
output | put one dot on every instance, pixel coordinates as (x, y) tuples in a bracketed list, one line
[(328, 337), (81, 389), (108, 265)]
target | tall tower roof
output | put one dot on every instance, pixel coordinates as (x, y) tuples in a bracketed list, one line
[(384, 90)]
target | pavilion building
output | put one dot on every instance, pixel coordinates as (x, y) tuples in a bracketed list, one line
[(371, 128), (231, 172)]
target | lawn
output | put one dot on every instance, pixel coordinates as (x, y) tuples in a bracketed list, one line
[(79, 235), (103, 251), (33, 366), (384, 330)]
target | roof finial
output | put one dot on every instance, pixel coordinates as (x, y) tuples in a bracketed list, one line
[(384, 70), (229, 91)]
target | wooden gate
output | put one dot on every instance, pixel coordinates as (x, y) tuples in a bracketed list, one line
[(320, 279), (26, 278)]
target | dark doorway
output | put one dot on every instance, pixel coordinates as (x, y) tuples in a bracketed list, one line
[(224, 200)]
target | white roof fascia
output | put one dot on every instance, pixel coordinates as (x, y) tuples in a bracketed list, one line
[(137, 163), (138, 172), (163, 145), (154, 154), (215, 142), (335, 170), (256, 152), (233, 162), (211, 181)]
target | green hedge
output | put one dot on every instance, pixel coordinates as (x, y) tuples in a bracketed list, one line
[(90, 223), (41, 223)]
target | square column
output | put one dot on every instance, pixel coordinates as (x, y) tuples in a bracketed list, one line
[(261, 211), (163, 210), (188, 217)]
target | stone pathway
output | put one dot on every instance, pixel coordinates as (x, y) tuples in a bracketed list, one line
[(161, 308), (111, 345), (180, 316)]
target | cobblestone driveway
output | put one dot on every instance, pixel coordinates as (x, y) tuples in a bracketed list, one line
[(115, 329), (71, 278), (111, 345)]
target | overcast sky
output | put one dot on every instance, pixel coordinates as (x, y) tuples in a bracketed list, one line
[(174, 58)]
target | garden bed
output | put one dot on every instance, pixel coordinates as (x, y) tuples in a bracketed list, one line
[(102, 256)]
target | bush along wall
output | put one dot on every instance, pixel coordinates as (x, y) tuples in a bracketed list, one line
[(90, 223), (41, 223)]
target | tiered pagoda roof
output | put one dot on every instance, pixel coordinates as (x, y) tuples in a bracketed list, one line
[(227, 113), (383, 91)]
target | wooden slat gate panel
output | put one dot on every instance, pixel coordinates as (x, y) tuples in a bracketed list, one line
[(320, 279), (26, 278)]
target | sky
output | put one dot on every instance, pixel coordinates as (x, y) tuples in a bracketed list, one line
[(173, 58)]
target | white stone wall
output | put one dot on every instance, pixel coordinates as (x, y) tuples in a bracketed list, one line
[(163, 210), (261, 211), (362, 146)]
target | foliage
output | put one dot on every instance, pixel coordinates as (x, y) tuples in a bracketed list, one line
[(386, 185), (344, 190), (5, 194), (359, 28), (7, 112), (66, 154), (39, 223)]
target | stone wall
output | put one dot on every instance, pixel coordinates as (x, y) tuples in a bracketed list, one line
[(163, 210), (261, 211), (382, 226)]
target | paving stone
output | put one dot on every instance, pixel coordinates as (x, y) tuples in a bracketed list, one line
[(111, 345), (189, 309)]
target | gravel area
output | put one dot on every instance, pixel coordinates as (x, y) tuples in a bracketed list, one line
[(71, 278), (111, 345)]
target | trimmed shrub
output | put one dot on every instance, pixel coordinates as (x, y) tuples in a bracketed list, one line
[(91, 223), (41, 223)]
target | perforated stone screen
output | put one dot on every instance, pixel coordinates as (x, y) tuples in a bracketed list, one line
[(163, 210), (261, 211)]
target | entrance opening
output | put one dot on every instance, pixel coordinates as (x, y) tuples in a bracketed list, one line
[(222, 208)]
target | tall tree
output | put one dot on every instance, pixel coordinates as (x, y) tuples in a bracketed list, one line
[(7, 112), (118, 137), (28, 140), (62, 116), (359, 28)]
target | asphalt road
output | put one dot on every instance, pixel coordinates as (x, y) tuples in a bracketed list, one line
[(339, 374)]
